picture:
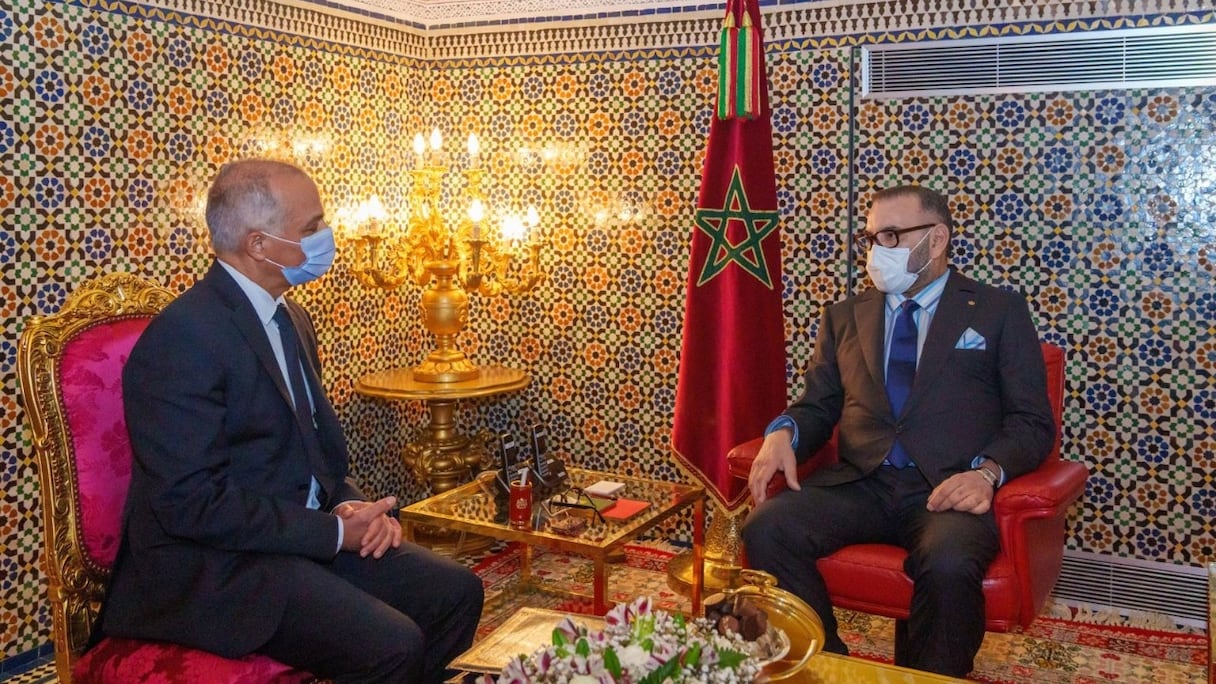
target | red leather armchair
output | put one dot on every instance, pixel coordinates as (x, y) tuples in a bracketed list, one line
[(1030, 512), (70, 367)]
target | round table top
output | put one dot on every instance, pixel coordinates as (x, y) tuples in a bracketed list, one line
[(399, 383)]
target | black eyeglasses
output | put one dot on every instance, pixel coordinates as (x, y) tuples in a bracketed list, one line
[(580, 495), (888, 237)]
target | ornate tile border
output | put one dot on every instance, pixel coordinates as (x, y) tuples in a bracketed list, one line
[(579, 38)]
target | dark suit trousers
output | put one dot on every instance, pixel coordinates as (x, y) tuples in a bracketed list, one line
[(948, 555), (399, 619)]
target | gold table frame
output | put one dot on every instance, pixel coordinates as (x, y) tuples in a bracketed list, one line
[(527, 630), (442, 457), (470, 508)]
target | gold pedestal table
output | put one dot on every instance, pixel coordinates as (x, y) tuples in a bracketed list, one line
[(723, 557), (442, 457)]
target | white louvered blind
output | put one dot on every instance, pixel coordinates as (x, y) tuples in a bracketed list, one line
[(1157, 57)]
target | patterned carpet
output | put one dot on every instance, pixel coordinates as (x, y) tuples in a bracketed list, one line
[(1055, 650)]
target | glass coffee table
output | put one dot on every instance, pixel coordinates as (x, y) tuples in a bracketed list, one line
[(475, 508)]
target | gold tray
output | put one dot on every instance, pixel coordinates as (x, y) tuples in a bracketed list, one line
[(522, 634), (787, 613)]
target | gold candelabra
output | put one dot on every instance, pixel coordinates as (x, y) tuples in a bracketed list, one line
[(449, 259)]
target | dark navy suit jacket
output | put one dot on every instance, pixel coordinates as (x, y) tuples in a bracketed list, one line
[(221, 476)]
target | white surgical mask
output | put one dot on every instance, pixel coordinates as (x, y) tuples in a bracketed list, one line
[(888, 267)]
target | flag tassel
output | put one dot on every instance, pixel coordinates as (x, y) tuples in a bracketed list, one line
[(739, 62), (727, 57), (748, 86)]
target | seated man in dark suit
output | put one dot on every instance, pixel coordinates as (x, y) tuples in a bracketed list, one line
[(243, 532), (937, 385)]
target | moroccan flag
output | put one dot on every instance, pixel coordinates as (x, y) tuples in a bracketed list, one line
[(732, 366)]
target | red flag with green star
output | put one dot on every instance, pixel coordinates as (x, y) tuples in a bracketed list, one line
[(732, 364)]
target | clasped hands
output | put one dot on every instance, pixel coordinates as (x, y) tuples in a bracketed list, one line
[(366, 528), (967, 491)]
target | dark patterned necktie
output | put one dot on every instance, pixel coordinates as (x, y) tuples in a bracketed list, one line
[(295, 374), (302, 400), (901, 370)]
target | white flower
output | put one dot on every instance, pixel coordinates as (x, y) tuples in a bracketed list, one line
[(638, 641), (633, 657)]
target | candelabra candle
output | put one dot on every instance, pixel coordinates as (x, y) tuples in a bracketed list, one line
[(419, 151), (474, 150), (476, 213), (533, 221), (451, 260), (370, 215)]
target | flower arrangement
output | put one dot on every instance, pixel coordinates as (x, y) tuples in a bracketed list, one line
[(638, 645)]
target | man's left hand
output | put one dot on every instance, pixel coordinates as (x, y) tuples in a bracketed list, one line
[(967, 491), (382, 531)]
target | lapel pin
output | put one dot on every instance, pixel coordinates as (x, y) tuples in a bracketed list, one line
[(970, 302)]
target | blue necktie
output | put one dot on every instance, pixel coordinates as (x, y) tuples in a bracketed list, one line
[(901, 370)]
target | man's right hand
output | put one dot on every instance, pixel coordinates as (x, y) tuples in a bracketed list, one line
[(366, 528), (775, 455)]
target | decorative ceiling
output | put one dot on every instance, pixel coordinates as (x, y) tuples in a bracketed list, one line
[(463, 12)]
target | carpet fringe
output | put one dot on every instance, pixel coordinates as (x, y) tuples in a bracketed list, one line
[(1106, 615)]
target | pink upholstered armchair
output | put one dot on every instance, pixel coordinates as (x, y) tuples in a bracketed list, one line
[(70, 368), (1030, 514)]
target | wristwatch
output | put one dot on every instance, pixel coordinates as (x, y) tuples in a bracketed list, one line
[(988, 475)]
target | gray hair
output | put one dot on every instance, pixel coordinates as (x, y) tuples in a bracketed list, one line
[(240, 202)]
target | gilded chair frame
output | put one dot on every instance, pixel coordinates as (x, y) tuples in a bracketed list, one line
[(1212, 622), (76, 582)]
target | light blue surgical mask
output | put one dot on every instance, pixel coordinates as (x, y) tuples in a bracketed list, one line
[(318, 251)]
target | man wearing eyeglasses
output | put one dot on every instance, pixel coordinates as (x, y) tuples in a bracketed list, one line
[(937, 386)]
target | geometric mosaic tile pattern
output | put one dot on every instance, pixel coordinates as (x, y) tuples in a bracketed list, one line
[(1095, 205)]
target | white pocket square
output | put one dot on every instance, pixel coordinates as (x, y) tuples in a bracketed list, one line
[(971, 340)]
